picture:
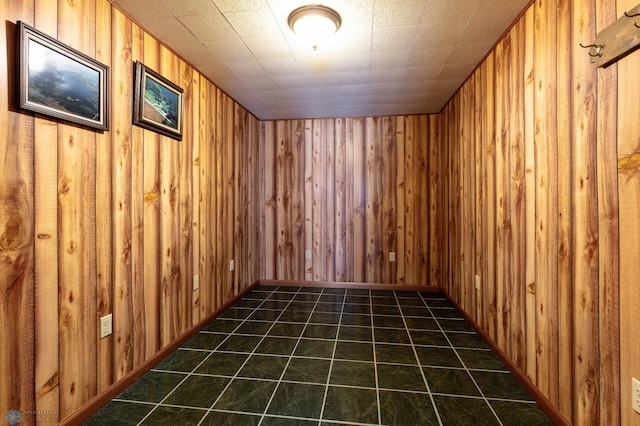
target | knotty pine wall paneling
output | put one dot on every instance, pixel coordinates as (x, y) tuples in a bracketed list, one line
[(350, 190), (113, 222), (559, 149)]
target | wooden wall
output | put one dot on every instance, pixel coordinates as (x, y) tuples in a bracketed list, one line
[(117, 221), (541, 193), (350, 191)]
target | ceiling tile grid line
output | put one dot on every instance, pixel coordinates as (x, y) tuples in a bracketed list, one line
[(391, 57)]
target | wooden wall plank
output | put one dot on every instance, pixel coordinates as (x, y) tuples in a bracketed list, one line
[(298, 197), (284, 211), (608, 232), (374, 214), (400, 276), (340, 254), (205, 199), (197, 207), (546, 152), (410, 200), (76, 228), (359, 201), (308, 200), (229, 197), (269, 148), (104, 248), (47, 390)]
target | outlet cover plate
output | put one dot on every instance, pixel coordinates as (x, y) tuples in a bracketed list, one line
[(392, 256), (635, 394), (196, 282), (106, 326), (232, 265), (477, 282)]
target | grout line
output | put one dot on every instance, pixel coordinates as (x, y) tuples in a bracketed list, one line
[(415, 353), (455, 350), (375, 358)]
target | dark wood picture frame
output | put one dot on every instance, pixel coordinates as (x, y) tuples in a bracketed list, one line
[(61, 82), (158, 103)]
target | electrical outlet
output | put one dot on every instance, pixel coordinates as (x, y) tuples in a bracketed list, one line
[(232, 265), (392, 256), (106, 326), (307, 254), (477, 282), (635, 394), (196, 282)]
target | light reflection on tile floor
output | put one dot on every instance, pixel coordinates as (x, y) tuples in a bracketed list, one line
[(314, 356)]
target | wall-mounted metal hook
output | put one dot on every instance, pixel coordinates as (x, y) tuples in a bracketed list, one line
[(589, 46), (632, 15)]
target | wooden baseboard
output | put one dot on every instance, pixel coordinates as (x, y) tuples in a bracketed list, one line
[(98, 401), (363, 286), (550, 410)]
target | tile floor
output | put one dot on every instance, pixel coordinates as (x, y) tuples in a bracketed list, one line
[(313, 356)]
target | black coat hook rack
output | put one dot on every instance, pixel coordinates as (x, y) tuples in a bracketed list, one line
[(617, 40)]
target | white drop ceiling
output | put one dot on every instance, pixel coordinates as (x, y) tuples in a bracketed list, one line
[(390, 57)]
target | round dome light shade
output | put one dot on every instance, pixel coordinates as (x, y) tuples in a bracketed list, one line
[(314, 23)]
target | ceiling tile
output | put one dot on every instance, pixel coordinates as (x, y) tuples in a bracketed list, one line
[(390, 59), (144, 9), (215, 71), (253, 24), (247, 69), (456, 12), (239, 5), (438, 36), (269, 47), (289, 81), (191, 7), (394, 38), (230, 50), (397, 14), (209, 27), (169, 30), (280, 67), (258, 83)]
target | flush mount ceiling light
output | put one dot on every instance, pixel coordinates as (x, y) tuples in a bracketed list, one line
[(314, 23)]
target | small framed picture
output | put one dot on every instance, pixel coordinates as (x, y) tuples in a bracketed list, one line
[(58, 81), (157, 103)]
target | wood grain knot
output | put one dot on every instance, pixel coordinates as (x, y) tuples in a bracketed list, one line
[(44, 236), (49, 385), (149, 197), (13, 234), (629, 164)]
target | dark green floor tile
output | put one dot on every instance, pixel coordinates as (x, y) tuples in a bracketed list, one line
[(454, 325), (415, 311), (222, 364), (386, 310), (223, 326), (341, 291), (421, 323), (331, 298), (445, 313), (388, 322), (429, 338), (411, 303), (466, 340), (481, 360), (307, 370), (450, 381), (306, 297), (500, 385), (284, 421), (395, 354), (288, 289), (464, 411), (236, 313), (320, 331), (120, 413), (520, 413), (282, 296), (315, 348), (277, 345), (401, 377), (207, 341), (277, 305), (286, 329), (248, 303), (250, 396), (439, 303), (325, 318), (356, 309), (152, 387), (297, 400), (383, 297), (197, 391), (182, 360), (315, 290), (360, 334), (407, 294), (358, 292), (353, 299), (240, 343), (328, 307), (437, 357), (219, 418), (301, 306), (355, 319), (294, 316), (265, 315), (357, 351), (353, 373), (351, 405), (404, 408), (162, 416), (391, 335), (259, 328), (264, 367)]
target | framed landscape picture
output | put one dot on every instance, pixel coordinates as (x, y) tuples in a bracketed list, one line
[(58, 81), (157, 103)]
